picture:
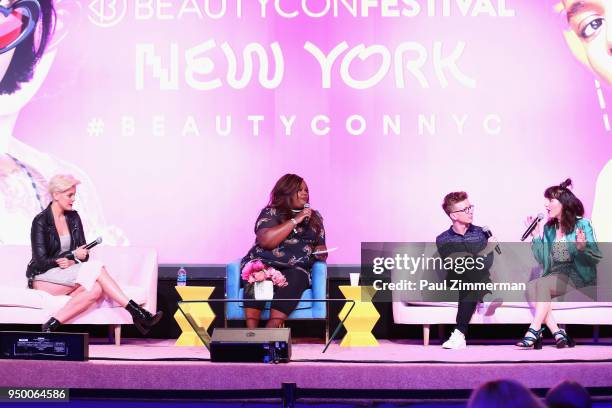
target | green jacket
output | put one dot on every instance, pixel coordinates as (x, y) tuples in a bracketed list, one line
[(585, 261)]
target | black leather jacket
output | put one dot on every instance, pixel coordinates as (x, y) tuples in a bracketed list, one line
[(46, 246)]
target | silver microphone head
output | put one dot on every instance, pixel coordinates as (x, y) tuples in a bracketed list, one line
[(541, 216), (487, 231), (306, 219), (99, 240)]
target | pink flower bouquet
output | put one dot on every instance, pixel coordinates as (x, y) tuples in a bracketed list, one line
[(257, 271)]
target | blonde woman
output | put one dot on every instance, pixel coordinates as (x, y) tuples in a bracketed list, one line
[(57, 231)]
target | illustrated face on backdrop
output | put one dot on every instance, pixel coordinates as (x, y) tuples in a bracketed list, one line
[(21, 31), (27, 53), (10, 28), (18, 19), (5, 60), (590, 35)]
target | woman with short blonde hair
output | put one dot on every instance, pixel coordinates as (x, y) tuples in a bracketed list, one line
[(62, 182), (60, 264)]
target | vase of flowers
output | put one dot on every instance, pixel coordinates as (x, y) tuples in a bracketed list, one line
[(262, 279)]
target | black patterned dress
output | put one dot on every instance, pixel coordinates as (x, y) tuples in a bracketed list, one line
[(293, 257)]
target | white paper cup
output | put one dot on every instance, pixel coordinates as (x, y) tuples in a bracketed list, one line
[(354, 278)]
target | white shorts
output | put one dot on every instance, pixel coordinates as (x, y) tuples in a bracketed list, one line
[(84, 274)]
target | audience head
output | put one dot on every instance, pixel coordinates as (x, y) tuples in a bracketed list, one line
[(568, 394), (502, 394)]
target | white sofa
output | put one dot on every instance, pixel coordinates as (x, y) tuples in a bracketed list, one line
[(135, 270), (516, 260), (426, 314)]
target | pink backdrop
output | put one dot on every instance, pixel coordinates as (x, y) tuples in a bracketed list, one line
[(195, 196)]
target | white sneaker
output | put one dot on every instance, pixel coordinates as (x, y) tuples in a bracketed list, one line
[(456, 341)]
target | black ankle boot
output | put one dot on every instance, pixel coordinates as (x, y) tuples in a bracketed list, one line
[(143, 319), (51, 325)]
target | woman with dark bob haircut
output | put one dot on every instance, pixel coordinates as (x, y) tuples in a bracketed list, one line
[(287, 233), (568, 253)]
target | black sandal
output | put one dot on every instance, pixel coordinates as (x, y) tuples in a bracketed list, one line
[(531, 342), (562, 339)]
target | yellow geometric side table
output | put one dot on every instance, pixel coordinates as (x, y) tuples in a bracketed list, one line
[(200, 312), (362, 319)]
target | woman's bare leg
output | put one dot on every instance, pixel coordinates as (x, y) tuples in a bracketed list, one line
[(105, 281), (80, 299), (111, 288), (551, 323), (542, 310), (558, 287), (277, 318), (252, 317), (545, 289), (53, 288)]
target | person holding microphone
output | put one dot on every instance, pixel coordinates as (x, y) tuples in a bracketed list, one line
[(60, 262), (568, 253), (288, 233)]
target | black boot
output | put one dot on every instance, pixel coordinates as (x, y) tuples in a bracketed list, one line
[(51, 325), (143, 319)]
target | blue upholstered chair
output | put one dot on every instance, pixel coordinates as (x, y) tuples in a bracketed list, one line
[(306, 309)]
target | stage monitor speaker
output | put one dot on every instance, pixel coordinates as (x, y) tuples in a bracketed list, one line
[(44, 346), (251, 345)]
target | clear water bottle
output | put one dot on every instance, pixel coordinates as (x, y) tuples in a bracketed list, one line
[(181, 277)]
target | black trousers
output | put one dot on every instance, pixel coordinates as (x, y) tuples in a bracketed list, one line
[(298, 281), (468, 299), (465, 311)]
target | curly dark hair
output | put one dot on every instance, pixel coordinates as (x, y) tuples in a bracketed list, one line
[(280, 198), (572, 207), (451, 199), (26, 55)]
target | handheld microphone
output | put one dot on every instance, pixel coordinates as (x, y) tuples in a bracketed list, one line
[(94, 243), (489, 234), (306, 219), (70, 254), (532, 226)]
